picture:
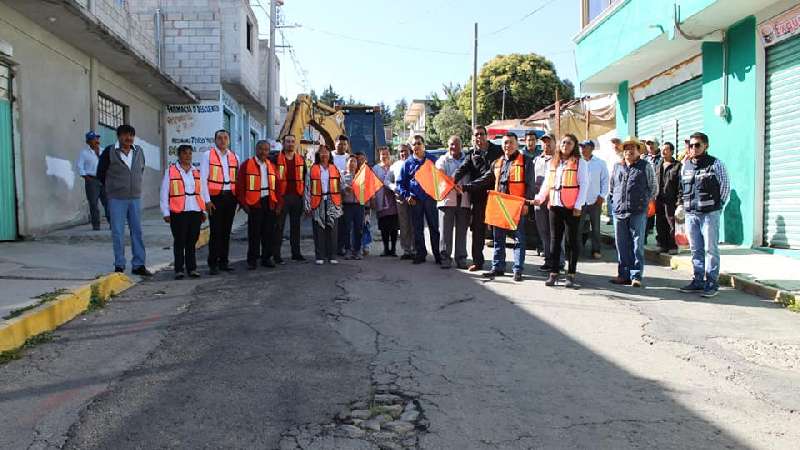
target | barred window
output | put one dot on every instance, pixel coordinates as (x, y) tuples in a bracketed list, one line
[(109, 112)]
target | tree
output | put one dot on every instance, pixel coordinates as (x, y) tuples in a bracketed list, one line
[(398, 115), (330, 97), (530, 81), (451, 121)]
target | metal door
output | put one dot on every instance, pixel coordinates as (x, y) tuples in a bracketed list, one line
[(674, 113), (782, 146), (8, 203)]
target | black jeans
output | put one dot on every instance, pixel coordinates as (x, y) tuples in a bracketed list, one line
[(478, 227), (220, 223), (260, 232), (562, 219), (185, 228), (665, 225), (389, 226), (292, 207), (96, 191)]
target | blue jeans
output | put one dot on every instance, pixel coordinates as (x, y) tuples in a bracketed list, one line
[(121, 210), (499, 255), (703, 232), (629, 236), (353, 226), (425, 211)]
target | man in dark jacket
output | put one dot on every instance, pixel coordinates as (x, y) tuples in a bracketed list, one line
[(668, 174), (120, 169), (477, 162)]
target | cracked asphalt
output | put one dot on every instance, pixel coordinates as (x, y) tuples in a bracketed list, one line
[(267, 359)]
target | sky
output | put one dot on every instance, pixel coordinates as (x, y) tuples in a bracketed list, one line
[(385, 50)]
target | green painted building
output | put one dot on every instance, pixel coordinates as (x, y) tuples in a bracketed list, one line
[(728, 68)]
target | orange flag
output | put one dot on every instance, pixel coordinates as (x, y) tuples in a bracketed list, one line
[(366, 184), (433, 181), (504, 210)]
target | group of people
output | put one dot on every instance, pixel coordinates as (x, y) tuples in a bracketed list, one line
[(562, 187)]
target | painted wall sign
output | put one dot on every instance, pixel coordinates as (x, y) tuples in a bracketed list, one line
[(780, 27), (194, 125)]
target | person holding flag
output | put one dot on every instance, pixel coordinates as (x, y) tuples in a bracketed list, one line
[(323, 202), (454, 209), (512, 177), (353, 210), (423, 206)]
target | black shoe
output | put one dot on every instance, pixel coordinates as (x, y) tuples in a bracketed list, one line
[(179, 275), (544, 268), (418, 261), (439, 261), (194, 274), (212, 270), (268, 263), (393, 253), (96, 228), (406, 257), (493, 273), (298, 258), (251, 266), (280, 261), (142, 271), (517, 276), (226, 268), (119, 269)]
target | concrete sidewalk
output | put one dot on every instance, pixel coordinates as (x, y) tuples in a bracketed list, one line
[(75, 256), (772, 276)]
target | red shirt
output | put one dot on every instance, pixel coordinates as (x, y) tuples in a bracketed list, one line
[(291, 176)]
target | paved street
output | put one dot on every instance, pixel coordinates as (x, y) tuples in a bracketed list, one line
[(296, 357)]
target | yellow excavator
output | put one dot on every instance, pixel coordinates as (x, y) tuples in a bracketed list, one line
[(304, 112)]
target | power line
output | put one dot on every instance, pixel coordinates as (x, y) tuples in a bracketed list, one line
[(525, 17), (385, 44)]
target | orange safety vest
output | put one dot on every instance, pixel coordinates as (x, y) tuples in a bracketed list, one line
[(252, 188), (177, 190), (216, 180), (569, 187), (334, 183), (299, 180), (516, 177)]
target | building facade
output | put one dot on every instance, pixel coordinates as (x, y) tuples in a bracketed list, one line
[(70, 66), (723, 67)]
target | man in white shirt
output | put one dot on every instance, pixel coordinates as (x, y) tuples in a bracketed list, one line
[(218, 169), (342, 152), (87, 168), (596, 192)]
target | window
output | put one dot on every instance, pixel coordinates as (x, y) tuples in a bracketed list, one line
[(594, 8), (110, 113), (253, 140), (249, 35), (227, 120)]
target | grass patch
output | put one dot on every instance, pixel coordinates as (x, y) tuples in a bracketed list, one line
[(43, 298), (96, 300), (11, 355)]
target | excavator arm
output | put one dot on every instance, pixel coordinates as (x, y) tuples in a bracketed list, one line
[(304, 111)]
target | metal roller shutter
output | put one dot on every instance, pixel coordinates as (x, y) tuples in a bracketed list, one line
[(782, 147), (8, 206), (672, 115)]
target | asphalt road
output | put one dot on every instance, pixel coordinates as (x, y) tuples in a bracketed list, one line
[(272, 358)]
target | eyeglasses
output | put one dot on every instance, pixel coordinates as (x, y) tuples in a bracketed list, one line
[(695, 145)]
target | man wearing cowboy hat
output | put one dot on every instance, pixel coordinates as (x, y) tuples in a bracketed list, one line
[(632, 186)]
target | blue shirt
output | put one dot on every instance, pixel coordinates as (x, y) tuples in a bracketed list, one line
[(407, 184)]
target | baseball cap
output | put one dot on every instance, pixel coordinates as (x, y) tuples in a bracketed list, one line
[(92, 136), (550, 136), (588, 142)]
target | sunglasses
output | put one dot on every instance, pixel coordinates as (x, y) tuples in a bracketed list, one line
[(695, 145)]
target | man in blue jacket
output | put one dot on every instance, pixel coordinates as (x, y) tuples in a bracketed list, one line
[(423, 206)]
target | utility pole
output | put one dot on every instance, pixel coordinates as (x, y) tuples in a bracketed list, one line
[(273, 17), (475, 80), (503, 110)]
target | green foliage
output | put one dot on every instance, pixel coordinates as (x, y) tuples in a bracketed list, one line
[(530, 81), (96, 301), (10, 355), (43, 298), (330, 97), (397, 115), (451, 121)]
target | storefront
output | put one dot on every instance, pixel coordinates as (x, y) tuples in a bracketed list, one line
[(672, 115)]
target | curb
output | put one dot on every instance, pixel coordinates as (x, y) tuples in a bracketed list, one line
[(736, 281), (62, 309), (67, 306)]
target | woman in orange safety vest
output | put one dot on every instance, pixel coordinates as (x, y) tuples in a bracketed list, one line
[(323, 201)]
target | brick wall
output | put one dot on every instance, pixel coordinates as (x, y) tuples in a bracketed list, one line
[(137, 33), (239, 65), (192, 50)]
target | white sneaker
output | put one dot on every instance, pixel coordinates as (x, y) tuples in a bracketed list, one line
[(319, 262), (334, 261)]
